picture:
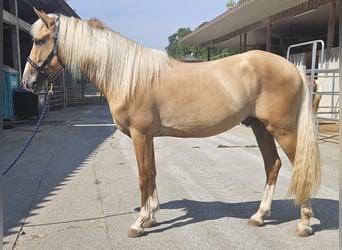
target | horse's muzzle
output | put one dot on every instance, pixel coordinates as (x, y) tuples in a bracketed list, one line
[(33, 82)]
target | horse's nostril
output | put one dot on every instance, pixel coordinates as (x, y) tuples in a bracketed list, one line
[(28, 85)]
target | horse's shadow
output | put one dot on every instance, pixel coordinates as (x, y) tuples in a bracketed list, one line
[(325, 210)]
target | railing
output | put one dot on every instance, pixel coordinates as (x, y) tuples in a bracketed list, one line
[(68, 92), (330, 111)]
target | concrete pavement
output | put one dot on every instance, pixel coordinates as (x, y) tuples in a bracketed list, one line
[(76, 187)]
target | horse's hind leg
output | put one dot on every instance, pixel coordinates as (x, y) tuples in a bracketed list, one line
[(272, 166), (144, 151), (288, 143), (304, 229)]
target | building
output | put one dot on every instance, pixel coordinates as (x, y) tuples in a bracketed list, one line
[(270, 25), (18, 16)]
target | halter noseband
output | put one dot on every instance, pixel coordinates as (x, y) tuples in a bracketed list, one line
[(42, 68)]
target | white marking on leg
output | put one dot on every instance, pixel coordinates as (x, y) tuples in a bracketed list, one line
[(265, 205), (153, 203), (143, 215), (147, 212)]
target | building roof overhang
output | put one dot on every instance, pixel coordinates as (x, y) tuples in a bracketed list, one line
[(48, 6), (251, 16)]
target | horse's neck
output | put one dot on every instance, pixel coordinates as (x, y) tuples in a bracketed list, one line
[(80, 61), (115, 64)]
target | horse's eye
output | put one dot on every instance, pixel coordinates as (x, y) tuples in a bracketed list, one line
[(39, 43)]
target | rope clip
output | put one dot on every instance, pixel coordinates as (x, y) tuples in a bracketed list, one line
[(50, 92)]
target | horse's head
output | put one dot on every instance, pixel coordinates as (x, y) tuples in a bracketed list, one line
[(44, 62)]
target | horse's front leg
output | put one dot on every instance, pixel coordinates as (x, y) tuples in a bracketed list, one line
[(272, 166), (144, 151)]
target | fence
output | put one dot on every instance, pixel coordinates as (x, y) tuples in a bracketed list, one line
[(68, 92), (323, 66)]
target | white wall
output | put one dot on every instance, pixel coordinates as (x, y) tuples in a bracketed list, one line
[(330, 83)]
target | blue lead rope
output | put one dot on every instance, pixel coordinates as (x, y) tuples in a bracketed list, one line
[(42, 115)]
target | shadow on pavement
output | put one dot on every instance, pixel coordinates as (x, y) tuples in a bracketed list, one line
[(57, 153), (325, 210)]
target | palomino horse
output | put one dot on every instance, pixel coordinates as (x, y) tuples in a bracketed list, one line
[(316, 98), (151, 95)]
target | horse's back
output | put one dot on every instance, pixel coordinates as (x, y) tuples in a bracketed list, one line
[(203, 99), (266, 66), (267, 80)]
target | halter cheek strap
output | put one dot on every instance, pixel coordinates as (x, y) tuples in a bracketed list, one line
[(42, 68)]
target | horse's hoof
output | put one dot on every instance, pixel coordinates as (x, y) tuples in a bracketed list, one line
[(150, 223), (254, 222), (303, 231), (134, 233)]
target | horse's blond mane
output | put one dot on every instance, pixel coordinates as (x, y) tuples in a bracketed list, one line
[(95, 23), (117, 65)]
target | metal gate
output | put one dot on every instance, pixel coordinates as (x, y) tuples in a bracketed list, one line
[(327, 74), (69, 91)]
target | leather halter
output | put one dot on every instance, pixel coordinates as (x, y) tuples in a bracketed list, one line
[(42, 68)]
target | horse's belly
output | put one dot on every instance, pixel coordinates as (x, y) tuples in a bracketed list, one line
[(199, 123), (201, 104)]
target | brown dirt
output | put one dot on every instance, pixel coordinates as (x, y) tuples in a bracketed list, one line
[(328, 126)]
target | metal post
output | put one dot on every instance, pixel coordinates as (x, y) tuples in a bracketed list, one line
[(313, 67), (243, 42), (333, 96), (208, 54), (331, 25), (64, 89), (340, 79), (1, 122), (16, 39), (269, 35)]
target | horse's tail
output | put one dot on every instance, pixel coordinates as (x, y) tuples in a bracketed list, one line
[(306, 165)]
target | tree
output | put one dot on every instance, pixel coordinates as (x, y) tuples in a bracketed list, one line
[(178, 51), (230, 3)]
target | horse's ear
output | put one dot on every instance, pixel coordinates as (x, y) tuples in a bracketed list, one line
[(48, 21)]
